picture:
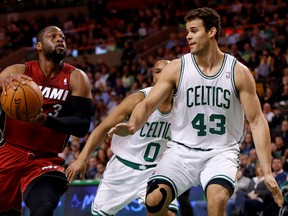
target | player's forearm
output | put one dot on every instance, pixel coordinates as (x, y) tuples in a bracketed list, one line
[(78, 123), (139, 116), (262, 141), (95, 139)]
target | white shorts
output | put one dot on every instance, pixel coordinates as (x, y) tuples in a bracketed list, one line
[(183, 167), (120, 185)]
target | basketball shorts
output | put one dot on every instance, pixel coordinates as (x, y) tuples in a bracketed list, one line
[(17, 170), (183, 167), (121, 185)]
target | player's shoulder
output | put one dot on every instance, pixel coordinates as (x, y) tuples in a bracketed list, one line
[(243, 76), (241, 69), (173, 67), (77, 73)]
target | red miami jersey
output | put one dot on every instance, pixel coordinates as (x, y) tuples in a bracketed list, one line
[(56, 96)]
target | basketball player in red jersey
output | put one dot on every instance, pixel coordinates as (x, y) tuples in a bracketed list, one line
[(29, 162)]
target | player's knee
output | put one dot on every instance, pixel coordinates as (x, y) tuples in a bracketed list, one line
[(218, 192), (42, 207), (157, 198), (46, 209)]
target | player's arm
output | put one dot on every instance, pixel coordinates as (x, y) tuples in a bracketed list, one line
[(13, 72), (165, 85), (246, 87), (119, 114), (78, 122)]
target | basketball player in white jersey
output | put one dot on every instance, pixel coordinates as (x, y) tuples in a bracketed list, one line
[(135, 157), (213, 91)]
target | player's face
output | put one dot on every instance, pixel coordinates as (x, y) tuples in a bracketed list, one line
[(158, 67), (53, 44), (197, 37)]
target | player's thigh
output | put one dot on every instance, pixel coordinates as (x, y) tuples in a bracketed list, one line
[(12, 167), (222, 165), (176, 170), (117, 189)]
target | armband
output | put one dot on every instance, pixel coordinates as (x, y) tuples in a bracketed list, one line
[(78, 123)]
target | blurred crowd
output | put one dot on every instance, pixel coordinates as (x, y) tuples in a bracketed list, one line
[(255, 32)]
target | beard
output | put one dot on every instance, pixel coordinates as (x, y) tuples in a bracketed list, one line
[(56, 56)]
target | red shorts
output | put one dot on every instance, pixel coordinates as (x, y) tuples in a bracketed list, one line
[(18, 168)]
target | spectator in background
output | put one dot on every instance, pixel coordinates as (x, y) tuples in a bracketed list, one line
[(267, 111), (277, 119), (251, 202), (279, 174), (247, 144), (128, 53), (142, 31), (101, 156), (279, 142), (284, 129), (264, 68), (113, 102), (91, 168), (283, 97), (249, 170), (127, 77), (268, 96), (100, 171)]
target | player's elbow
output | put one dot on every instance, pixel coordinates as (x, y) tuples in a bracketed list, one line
[(83, 128)]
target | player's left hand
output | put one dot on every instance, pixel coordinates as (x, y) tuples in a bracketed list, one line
[(40, 118), (275, 190), (75, 168), (121, 129)]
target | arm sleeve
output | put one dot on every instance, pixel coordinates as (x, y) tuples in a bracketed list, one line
[(78, 123)]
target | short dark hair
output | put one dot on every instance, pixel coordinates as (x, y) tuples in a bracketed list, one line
[(209, 17), (41, 32)]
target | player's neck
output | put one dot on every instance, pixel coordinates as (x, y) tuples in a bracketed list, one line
[(210, 62), (49, 68)]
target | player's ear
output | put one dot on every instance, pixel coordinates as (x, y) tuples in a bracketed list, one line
[(212, 32), (38, 45)]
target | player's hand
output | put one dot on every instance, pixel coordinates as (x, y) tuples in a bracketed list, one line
[(40, 118), (9, 80), (122, 129), (275, 190), (78, 166)]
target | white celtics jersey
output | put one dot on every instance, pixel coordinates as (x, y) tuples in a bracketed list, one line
[(147, 145), (207, 112)]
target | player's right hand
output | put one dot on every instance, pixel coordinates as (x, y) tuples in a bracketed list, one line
[(78, 166), (122, 129)]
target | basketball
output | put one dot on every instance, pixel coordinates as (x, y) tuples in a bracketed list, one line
[(23, 103)]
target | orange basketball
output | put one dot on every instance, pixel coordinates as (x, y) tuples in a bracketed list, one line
[(23, 103)]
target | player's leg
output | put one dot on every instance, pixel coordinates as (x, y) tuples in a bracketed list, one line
[(12, 167), (158, 198), (172, 177), (117, 189), (173, 208), (43, 196), (217, 197), (219, 181), (185, 203)]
